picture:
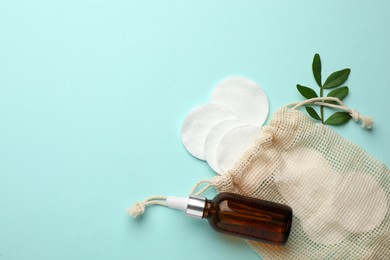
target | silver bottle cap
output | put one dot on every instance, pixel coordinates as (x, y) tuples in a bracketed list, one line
[(195, 206)]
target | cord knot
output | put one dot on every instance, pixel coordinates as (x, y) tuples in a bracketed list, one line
[(355, 115), (367, 122), (137, 209)]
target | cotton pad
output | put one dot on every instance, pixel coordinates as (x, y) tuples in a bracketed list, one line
[(322, 228), (244, 97), (198, 124), (213, 140), (360, 203), (298, 183), (234, 144)]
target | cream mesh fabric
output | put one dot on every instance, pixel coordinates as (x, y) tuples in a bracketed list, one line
[(339, 194)]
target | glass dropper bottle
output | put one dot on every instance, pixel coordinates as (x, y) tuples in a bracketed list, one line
[(240, 216)]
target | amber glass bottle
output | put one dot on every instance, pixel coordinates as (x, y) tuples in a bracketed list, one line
[(240, 216), (249, 218)]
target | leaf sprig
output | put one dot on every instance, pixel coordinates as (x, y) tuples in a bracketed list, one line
[(334, 81)]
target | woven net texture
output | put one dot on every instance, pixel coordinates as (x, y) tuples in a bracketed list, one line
[(339, 194)]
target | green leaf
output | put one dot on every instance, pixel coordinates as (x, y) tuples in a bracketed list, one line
[(306, 92), (339, 93), (317, 68), (337, 78), (313, 113), (338, 118)]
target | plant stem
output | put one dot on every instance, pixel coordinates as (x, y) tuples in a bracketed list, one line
[(321, 107)]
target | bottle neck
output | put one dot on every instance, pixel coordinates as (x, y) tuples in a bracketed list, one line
[(207, 212)]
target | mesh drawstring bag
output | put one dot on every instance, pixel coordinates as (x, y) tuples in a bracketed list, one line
[(339, 194)]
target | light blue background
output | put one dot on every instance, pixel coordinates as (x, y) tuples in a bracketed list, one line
[(93, 94)]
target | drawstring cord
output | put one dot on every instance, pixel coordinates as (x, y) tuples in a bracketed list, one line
[(203, 190), (367, 122), (138, 208)]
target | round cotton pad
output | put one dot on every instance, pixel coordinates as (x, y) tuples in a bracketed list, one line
[(244, 97), (234, 144), (213, 140), (198, 124), (322, 228), (298, 183), (360, 204)]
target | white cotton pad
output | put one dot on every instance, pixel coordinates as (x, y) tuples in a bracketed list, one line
[(213, 140), (322, 228), (198, 124), (311, 197), (360, 204), (298, 182), (234, 144), (244, 97)]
